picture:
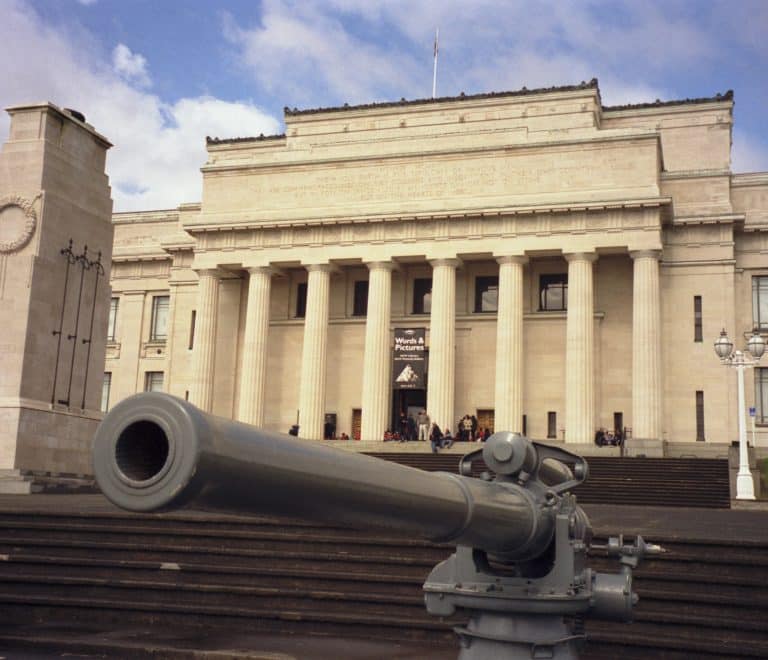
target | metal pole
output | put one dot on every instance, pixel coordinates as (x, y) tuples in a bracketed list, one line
[(99, 271), (434, 71), (66, 252), (745, 487), (84, 265)]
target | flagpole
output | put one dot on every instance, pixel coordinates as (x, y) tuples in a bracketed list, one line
[(434, 72)]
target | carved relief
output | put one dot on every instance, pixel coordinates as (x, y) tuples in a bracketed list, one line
[(18, 220)]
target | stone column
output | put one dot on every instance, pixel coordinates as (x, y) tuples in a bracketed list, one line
[(646, 346), (377, 352), (205, 339), (254, 360), (313, 359), (442, 343), (508, 415), (580, 350)]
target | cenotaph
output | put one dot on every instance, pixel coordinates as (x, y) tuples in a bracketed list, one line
[(55, 254)]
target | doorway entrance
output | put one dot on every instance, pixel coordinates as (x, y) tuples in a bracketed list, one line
[(409, 402)]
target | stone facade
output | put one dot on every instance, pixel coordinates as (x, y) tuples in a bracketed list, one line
[(635, 208), (55, 253)]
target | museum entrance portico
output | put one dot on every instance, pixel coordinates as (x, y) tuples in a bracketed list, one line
[(318, 338)]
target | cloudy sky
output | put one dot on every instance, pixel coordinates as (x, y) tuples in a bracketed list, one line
[(157, 76)]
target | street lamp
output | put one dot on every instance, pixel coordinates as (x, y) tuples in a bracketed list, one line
[(745, 487)]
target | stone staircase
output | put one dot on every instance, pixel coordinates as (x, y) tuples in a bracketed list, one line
[(219, 575)]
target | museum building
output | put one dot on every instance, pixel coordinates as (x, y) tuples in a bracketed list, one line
[(533, 258)]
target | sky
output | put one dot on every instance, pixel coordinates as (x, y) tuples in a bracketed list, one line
[(156, 76)]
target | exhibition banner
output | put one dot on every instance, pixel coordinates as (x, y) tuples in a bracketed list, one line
[(409, 359)]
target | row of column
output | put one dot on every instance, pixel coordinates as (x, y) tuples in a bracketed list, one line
[(580, 376)]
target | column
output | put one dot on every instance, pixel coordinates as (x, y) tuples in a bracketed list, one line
[(205, 339), (646, 346), (580, 349), (508, 415), (173, 296), (377, 352), (254, 360), (442, 343), (313, 359)]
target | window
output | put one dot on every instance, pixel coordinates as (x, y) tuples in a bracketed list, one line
[(553, 292), (422, 295), (301, 300), (360, 304), (525, 425), (105, 388), (153, 381), (487, 294), (192, 329), (760, 302), (159, 330), (551, 424), (697, 329), (700, 416), (761, 395), (113, 305)]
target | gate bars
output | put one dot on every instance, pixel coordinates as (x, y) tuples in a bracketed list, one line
[(85, 264)]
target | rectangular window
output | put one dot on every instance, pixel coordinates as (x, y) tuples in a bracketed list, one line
[(360, 304), (487, 294), (525, 425), (422, 295), (105, 388), (553, 292), (699, 415), (761, 395), (301, 300), (153, 381), (760, 302), (697, 328), (160, 305), (192, 321), (551, 424), (113, 305)]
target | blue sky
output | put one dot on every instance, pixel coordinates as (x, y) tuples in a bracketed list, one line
[(157, 76)]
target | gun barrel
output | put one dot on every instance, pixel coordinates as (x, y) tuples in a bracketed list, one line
[(155, 452)]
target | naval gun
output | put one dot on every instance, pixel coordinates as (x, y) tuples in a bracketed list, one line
[(519, 570)]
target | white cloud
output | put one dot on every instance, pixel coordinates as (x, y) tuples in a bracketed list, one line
[(87, 3), (159, 147), (131, 66)]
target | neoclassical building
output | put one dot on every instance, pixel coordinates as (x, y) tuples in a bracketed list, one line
[(567, 264)]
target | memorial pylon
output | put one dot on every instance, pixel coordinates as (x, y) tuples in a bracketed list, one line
[(55, 254)]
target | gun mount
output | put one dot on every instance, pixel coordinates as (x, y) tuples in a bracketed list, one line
[(520, 563)]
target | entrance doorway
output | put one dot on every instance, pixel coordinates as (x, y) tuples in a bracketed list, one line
[(409, 402)]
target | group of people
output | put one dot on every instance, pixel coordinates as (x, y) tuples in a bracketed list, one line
[(469, 430), (605, 438), (421, 428)]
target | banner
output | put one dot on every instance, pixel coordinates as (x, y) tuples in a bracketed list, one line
[(409, 359)]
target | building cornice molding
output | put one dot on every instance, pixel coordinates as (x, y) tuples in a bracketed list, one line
[(220, 224), (139, 253), (694, 174), (749, 179), (598, 138), (717, 219)]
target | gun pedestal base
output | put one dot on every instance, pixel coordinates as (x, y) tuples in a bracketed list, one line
[(519, 637)]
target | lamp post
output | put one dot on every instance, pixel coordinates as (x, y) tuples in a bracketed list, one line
[(745, 487)]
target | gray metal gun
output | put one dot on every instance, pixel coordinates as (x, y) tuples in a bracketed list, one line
[(520, 562)]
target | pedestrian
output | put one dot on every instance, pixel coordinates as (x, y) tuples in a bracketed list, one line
[(435, 438), (424, 425)]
